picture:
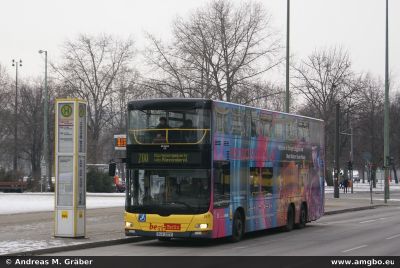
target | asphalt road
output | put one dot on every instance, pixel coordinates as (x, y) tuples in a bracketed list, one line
[(374, 232)]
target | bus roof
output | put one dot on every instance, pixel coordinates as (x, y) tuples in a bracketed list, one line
[(252, 107), (190, 103), (169, 103)]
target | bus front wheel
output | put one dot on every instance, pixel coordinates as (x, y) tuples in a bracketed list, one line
[(237, 227)]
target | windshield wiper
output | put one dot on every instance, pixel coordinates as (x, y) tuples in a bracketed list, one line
[(180, 203)]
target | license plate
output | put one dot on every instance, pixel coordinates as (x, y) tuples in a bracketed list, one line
[(163, 234)]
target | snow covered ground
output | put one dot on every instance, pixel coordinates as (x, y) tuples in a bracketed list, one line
[(21, 245), (365, 187), (11, 203)]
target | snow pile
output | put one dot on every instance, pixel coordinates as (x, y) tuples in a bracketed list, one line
[(11, 203), (365, 187)]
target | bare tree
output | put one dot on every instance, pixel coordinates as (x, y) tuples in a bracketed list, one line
[(324, 79), (6, 117), (219, 52), (4, 85), (31, 126), (90, 67), (395, 129), (369, 123)]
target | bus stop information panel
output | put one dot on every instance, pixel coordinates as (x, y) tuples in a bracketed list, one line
[(70, 168)]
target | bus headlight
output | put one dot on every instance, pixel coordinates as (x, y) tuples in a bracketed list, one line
[(201, 225), (128, 224)]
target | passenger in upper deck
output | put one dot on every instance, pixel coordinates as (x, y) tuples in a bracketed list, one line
[(160, 136), (187, 124), (188, 135), (162, 123)]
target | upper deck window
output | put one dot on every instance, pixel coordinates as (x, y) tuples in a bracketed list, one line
[(187, 126)]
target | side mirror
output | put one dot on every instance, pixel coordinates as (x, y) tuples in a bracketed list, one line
[(111, 169)]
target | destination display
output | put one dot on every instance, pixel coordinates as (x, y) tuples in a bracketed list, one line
[(168, 158)]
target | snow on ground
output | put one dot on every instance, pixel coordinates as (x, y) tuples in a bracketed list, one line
[(11, 203), (365, 187), (21, 245)]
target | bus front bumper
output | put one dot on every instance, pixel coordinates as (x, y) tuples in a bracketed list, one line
[(194, 234)]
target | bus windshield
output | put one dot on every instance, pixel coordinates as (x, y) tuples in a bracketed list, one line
[(189, 126), (166, 192)]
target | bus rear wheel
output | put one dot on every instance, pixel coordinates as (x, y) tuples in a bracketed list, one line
[(237, 227), (303, 217), (289, 219)]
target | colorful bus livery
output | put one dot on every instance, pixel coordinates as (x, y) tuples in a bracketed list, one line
[(208, 169)]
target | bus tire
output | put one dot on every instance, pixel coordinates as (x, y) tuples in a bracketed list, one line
[(164, 239), (302, 217), (289, 219), (237, 227)]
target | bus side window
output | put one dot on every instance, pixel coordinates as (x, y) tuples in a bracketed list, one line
[(237, 123), (220, 123), (254, 124), (253, 128), (221, 184), (291, 130), (304, 133), (278, 130), (255, 180), (267, 174)]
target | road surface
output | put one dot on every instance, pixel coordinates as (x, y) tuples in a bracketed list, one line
[(374, 232)]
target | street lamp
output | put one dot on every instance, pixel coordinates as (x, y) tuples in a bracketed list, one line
[(15, 160), (45, 121), (287, 101), (386, 114)]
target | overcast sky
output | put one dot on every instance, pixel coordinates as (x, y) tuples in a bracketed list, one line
[(356, 25)]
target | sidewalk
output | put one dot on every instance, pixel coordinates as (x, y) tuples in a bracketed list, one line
[(32, 233), (357, 201)]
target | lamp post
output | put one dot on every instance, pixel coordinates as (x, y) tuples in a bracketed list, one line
[(386, 115), (45, 121), (15, 160), (287, 101)]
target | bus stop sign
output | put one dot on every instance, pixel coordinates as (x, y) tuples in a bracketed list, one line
[(70, 168)]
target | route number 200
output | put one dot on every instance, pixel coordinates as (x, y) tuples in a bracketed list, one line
[(143, 158)]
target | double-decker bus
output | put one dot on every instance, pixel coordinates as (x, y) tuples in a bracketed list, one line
[(208, 169)]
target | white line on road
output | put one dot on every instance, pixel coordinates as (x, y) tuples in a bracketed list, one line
[(394, 236), (367, 221), (373, 220), (239, 247), (347, 250)]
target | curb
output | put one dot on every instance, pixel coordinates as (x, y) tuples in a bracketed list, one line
[(80, 246), (333, 212)]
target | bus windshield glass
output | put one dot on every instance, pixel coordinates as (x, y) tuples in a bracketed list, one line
[(191, 126), (166, 192)]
